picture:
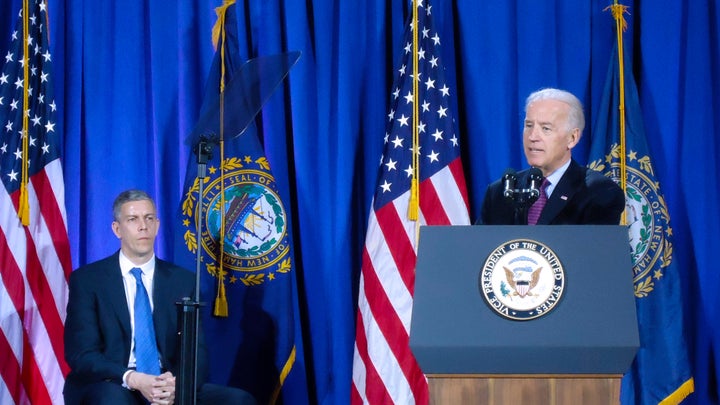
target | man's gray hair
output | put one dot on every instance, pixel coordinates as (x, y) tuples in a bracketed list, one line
[(576, 116)]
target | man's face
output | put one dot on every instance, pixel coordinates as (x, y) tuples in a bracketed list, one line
[(546, 138), (137, 228)]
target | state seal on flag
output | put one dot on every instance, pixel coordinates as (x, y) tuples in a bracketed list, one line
[(522, 279), (646, 216), (244, 223)]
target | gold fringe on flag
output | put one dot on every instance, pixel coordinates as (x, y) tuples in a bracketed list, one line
[(287, 367)]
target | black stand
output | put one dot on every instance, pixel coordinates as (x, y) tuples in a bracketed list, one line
[(522, 199), (188, 309), (186, 380)]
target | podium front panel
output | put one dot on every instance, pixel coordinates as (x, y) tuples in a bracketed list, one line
[(591, 330)]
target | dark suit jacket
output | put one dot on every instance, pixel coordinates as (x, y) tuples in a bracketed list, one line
[(582, 196), (97, 328)]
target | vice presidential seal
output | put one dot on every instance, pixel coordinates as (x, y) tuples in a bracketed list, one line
[(522, 279)]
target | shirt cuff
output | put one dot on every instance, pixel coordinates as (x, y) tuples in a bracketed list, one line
[(125, 379)]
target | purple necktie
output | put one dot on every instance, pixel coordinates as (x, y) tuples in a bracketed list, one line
[(537, 207)]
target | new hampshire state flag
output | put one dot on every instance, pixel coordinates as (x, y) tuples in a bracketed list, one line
[(248, 272), (661, 371)]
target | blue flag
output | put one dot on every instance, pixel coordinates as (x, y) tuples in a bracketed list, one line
[(248, 271), (661, 371)]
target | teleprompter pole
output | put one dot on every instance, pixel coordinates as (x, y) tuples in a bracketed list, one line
[(189, 308)]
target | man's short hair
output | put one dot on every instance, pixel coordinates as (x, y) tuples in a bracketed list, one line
[(576, 116), (127, 196)]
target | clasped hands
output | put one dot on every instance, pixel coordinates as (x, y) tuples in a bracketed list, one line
[(159, 390)]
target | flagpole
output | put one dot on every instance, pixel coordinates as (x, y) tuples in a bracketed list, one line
[(221, 308), (23, 204), (620, 25), (413, 206)]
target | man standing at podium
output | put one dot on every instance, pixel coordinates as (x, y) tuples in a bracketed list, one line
[(566, 193)]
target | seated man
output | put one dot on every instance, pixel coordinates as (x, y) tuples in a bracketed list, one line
[(121, 331)]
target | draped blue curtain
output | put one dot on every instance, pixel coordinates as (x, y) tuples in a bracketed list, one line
[(131, 75)]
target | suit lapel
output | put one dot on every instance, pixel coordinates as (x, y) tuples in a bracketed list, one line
[(116, 293), (564, 191), (161, 290)]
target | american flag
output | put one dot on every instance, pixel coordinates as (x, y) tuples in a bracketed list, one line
[(34, 248), (384, 369)]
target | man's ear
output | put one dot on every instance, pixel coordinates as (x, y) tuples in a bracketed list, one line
[(115, 228), (574, 138)]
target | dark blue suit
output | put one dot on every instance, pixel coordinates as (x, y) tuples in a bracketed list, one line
[(581, 197), (98, 331)]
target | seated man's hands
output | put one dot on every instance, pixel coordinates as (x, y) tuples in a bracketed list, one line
[(159, 390)]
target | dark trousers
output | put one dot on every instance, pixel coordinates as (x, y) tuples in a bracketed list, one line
[(110, 393)]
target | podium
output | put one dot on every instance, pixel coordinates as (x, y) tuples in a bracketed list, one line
[(583, 337)]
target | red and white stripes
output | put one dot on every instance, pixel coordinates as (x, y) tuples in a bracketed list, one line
[(34, 268)]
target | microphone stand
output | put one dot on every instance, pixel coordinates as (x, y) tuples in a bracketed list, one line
[(189, 309), (522, 199)]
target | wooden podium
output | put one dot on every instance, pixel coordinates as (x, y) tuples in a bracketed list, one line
[(576, 353), (535, 389)]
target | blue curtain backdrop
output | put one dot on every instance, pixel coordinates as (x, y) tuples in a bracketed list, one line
[(130, 78)]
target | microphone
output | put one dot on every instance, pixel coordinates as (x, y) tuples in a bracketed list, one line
[(536, 179), (509, 179)]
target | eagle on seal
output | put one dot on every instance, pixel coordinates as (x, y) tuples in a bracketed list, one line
[(522, 281)]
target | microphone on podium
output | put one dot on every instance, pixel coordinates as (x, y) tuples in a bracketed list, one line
[(536, 179), (509, 179)]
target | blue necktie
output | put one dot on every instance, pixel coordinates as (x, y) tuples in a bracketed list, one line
[(147, 359), (537, 207)]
